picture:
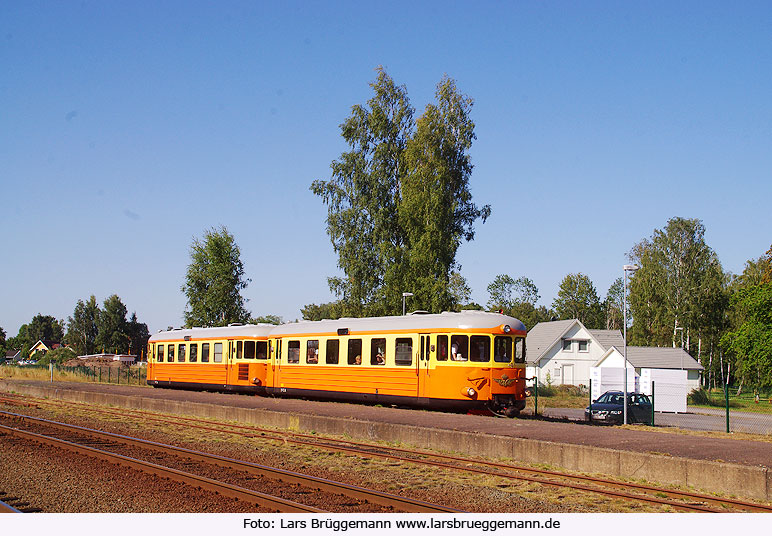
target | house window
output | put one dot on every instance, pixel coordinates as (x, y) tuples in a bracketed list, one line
[(566, 345), (583, 345)]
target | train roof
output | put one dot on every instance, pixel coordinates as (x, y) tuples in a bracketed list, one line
[(224, 332), (465, 320)]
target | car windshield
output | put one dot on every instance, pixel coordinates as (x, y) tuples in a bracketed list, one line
[(611, 398)]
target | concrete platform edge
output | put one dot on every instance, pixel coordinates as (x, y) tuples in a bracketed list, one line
[(708, 476)]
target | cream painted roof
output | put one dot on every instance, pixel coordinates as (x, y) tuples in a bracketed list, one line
[(462, 321), (247, 330)]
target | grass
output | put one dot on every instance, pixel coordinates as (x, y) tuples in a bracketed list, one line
[(62, 375)]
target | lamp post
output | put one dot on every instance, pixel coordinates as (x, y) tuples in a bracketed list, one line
[(626, 268), (681, 329), (405, 295)]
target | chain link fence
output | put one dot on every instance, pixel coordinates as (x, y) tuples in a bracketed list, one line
[(662, 404)]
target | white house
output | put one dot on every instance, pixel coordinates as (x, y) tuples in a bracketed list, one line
[(562, 352), (642, 358)]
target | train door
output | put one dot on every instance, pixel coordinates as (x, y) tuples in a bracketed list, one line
[(231, 367), (422, 365)]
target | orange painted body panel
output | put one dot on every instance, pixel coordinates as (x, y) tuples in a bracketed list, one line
[(212, 373)]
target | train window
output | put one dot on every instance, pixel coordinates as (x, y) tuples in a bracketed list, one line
[(459, 348), (520, 350), (239, 349), (205, 352), (181, 353), (502, 349), (378, 352), (160, 357), (261, 349), (480, 348), (442, 347), (355, 351), (312, 351), (249, 349), (293, 353), (193, 353), (332, 352), (403, 354), (218, 352), (171, 353)]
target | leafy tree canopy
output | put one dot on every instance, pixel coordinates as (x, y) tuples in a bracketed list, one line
[(577, 298), (214, 281), (83, 327), (399, 203), (680, 285)]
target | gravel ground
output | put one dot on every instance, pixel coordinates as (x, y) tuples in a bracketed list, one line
[(70, 483)]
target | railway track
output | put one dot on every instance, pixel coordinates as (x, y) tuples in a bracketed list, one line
[(75, 443), (677, 499)]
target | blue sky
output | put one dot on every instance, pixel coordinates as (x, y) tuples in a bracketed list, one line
[(129, 128)]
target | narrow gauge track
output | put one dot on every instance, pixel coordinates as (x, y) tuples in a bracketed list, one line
[(389, 501), (677, 499)]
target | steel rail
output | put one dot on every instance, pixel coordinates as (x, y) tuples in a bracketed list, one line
[(6, 508), (376, 497), (356, 448), (363, 449), (228, 490)]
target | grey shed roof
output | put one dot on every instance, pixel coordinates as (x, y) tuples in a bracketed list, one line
[(662, 358)]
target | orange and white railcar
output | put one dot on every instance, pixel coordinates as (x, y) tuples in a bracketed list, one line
[(450, 361)]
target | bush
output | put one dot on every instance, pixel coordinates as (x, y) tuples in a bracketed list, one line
[(700, 397), (58, 356)]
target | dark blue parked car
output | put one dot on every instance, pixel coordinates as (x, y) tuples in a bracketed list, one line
[(609, 407)]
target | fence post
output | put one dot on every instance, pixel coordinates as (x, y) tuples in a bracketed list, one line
[(589, 415), (726, 397), (51, 369), (536, 397), (109, 374), (652, 402)]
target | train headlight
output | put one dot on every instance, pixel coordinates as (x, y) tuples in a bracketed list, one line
[(468, 391), (505, 328)]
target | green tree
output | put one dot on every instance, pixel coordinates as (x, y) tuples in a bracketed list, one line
[(138, 335), (113, 336), (323, 311), (517, 297), (577, 298), (362, 199), (267, 319), (2, 342), (459, 290), (214, 281), (45, 328), (436, 210), (751, 341), (613, 305), (83, 327), (680, 286)]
